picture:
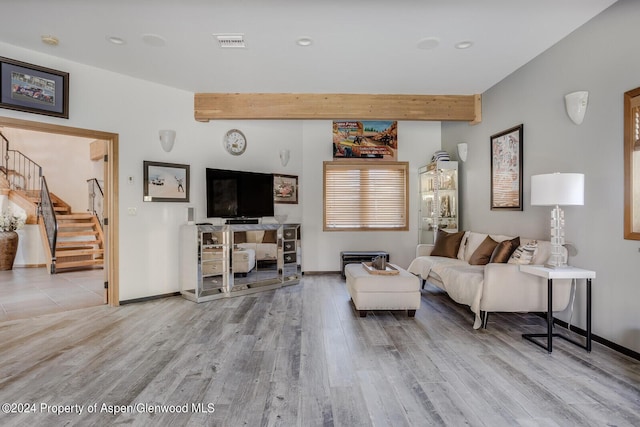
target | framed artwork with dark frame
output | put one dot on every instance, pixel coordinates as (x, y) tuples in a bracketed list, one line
[(33, 89), (285, 189), (506, 169), (165, 182)]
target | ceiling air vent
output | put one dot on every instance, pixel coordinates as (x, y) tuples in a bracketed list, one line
[(230, 40)]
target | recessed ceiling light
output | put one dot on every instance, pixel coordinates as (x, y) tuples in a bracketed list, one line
[(50, 40), (115, 40), (464, 45), (428, 43), (154, 40), (304, 41)]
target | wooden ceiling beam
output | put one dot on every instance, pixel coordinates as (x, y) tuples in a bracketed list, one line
[(282, 106)]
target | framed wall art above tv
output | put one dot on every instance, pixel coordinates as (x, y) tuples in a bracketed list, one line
[(33, 89)]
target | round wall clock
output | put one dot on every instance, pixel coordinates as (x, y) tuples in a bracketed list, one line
[(235, 142)]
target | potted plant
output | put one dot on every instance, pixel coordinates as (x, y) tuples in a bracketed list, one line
[(9, 223)]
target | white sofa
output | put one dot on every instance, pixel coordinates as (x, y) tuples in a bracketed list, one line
[(263, 242), (494, 287)]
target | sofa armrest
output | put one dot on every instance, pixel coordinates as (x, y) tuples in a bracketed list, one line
[(508, 289), (424, 249)]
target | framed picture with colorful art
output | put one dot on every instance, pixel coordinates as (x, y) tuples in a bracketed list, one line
[(506, 169), (285, 189), (33, 89)]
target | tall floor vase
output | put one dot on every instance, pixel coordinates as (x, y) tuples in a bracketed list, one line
[(8, 249)]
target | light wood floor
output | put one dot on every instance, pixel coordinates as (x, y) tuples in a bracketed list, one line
[(299, 356), (28, 292)]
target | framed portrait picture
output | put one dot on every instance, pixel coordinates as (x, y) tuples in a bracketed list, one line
[(506, 169), (33, 89), (166, 182), (285, 189)]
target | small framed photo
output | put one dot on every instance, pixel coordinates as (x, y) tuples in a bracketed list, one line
[(506, 169), (166, 182), (285, 189), (33, 89)]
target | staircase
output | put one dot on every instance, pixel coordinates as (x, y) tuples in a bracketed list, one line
[(80, 242), (70, 240)]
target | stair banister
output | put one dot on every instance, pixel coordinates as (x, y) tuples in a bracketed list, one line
[(21, 172), (47, 212)]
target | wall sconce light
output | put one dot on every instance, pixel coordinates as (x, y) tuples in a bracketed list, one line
[(576, 105), (284, 156), (167, 139), (463, 150)]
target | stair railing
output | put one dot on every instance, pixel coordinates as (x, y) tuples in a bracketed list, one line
[(21, 172), (96, 198), (48, 214)]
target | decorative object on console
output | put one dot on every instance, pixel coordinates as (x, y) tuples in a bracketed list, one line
[(506, 169), (284, 156), (463, 149), (167, 139), (576, 105), (557, 189), (165, 182)]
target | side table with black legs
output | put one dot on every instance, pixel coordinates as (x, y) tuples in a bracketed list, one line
[(560, 273)]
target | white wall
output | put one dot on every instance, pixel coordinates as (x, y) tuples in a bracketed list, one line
[(599, 57), (321, 250), (136, 110)]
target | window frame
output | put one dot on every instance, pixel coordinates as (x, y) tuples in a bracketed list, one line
[(366, 165), (631, 122)]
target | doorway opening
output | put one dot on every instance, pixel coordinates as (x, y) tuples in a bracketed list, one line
[(110, 177)]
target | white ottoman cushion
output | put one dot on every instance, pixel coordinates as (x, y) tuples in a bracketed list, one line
[(382, 292)]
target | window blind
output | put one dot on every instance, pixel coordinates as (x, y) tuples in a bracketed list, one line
[(365, 196)]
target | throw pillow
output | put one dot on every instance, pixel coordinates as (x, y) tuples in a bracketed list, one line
[(524, 254), (503, 251), (482, 254), (447, 244), (239, 237), (270, 236)]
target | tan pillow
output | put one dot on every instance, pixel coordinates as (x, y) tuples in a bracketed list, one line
[(503, 251), (524, 253), (270, 236), (483, 253), (447, 244)]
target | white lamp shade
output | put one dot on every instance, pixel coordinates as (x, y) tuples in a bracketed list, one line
[(557, 189)]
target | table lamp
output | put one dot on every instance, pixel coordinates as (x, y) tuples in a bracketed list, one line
[(557, 189)]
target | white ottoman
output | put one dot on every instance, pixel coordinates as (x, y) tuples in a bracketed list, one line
[(243, 261), (382, 292)]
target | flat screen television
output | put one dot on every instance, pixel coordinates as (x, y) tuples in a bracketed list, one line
[(239, 194)]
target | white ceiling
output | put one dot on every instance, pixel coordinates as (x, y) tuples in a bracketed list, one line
[(359, 46)]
